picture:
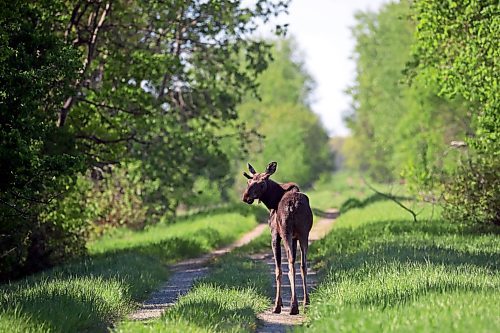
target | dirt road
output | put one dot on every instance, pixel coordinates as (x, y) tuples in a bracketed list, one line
[(186, 272)]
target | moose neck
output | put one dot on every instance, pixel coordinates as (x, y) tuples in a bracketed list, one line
[(273, 195)]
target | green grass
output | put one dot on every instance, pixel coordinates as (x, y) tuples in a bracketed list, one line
[(381, 272), (176, 241), (123, 268), (228, 300), (333, 191)]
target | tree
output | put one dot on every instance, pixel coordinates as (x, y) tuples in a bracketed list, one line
[(161, 81), (38, 160), (401, 130), (457, 45), (146, 86), (289, 132)]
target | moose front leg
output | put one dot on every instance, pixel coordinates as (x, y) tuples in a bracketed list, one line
[(276, 244)]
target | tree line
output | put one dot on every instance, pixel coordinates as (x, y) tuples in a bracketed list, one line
[(115, 113), (425, 103)]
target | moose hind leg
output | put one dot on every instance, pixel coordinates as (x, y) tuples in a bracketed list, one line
[(276, 245), (303, 269), (291, 250)]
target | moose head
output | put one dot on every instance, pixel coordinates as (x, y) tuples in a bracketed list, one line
[(257, 182)]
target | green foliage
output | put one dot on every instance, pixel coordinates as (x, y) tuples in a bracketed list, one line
[(145, 86), (399, 130), (383, 273), (290, 133), (446, 50), (473, 195), (115, 198), (206, 193), (457, 45), (38, 161), (160, 84)]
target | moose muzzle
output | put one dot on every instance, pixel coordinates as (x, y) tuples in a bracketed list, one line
[(246, 198)]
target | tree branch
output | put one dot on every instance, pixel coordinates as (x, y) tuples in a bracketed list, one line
[(393, 198), (96, 139), (135, 112), (63, 114), (19, 211)]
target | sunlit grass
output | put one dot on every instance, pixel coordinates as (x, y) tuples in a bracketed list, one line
[(228, 300), (198, 234), (123, 269), (15, 321), (384, 273)]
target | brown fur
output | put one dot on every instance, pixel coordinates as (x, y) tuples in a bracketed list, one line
[(290, 219)]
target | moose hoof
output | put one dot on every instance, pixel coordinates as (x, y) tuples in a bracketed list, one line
[(277, 309), (294, 310)]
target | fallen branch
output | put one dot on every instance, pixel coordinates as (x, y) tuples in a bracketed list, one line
[(392, 198)]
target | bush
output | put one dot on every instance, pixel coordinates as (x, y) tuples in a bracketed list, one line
[(474, 193), (38, 160)]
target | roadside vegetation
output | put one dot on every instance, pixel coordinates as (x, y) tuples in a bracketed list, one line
[(425, 108), (382, 272), (425, 117), (121, 270)]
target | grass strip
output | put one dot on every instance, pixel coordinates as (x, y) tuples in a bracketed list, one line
[(381, 272), (123, 268)]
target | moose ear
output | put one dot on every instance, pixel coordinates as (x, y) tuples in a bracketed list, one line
[(271, 168), (251, 169), (247, 175)]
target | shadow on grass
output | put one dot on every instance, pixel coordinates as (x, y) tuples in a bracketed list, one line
[(87, 295), (239, 271), (359, 254), (391, 297), (404, 241), (90, 317), (353, 203), (138, 271)]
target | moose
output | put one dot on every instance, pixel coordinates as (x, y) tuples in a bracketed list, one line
[(290, 220)]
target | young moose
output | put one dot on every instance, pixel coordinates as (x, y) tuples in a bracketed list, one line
[(290, 219)]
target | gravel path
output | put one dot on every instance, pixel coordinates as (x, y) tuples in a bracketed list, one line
[(184, 274), (272, 322)]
